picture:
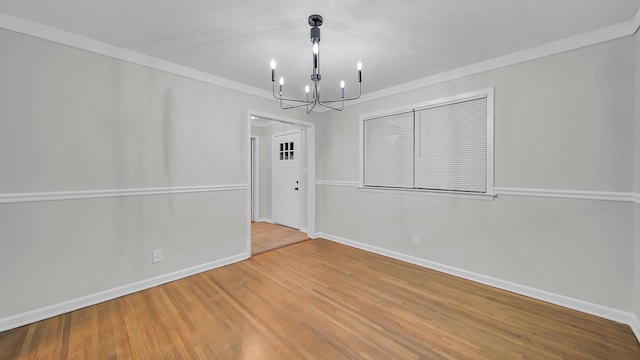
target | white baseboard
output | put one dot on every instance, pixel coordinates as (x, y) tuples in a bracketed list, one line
[(635, 326), (32, 316), (556, 299)]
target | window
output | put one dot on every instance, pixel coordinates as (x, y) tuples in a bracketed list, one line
[(286, 151), (389, 151), (444, 145)]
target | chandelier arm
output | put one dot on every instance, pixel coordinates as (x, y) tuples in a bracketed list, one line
[(348, 99), (287, 107), (312, 107), (340, 100), (290, 107), (282, 98), (325, 104), (296, 100)]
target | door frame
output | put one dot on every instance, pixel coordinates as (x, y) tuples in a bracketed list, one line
[(274, 158), (254, 176), (310, 153)]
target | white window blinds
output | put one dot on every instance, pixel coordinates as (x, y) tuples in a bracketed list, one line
[(388, 151), (443, 145), (451, 147)]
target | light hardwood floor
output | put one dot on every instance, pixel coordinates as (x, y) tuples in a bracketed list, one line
[(321, 300), (265, 237)]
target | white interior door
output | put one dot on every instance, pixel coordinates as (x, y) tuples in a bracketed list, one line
[(286, 179)]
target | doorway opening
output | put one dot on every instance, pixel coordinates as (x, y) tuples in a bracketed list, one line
[(281, 179)]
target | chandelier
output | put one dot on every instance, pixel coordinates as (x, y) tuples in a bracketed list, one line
[(312, 94)]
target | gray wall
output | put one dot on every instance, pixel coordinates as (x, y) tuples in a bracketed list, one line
[(264, 172), (74, 121), (562, 122)]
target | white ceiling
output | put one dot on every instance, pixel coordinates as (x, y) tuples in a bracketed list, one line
[(397, 41)]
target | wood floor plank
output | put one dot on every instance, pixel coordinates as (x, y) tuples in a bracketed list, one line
[(266, 237), (321, 300)]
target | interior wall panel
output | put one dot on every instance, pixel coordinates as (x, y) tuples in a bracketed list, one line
[(563, 122), (74, 121)]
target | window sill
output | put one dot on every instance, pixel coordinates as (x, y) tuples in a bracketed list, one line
[(452, 194)]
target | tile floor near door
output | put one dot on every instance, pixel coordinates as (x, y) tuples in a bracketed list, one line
[(265, 236)]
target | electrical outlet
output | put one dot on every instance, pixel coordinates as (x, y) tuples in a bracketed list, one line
[(416, 240), (156, 257)]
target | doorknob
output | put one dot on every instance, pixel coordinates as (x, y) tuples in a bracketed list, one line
[(295, 188)]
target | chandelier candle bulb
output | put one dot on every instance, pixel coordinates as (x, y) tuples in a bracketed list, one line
[(342, 89), (273, 69), (359, 66), (281, 83)]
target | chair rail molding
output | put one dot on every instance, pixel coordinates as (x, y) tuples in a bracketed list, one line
[(547, 193), (9, 198), (568, 194)]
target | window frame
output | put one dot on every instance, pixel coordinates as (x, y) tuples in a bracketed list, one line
[(489, 194)]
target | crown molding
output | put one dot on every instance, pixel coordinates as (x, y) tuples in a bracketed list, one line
[(608, 33), (41, 31), (23, 26)]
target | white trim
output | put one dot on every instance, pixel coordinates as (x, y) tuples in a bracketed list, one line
[(491, 149), (567, 194), (337, 183), (608, 33), (267, 220), (635, 325), (255, 189), (438, 193), (62, 37), (547, 193), (14, 321), (486, 93), (561, 300), (108, 193), (41, 31)]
